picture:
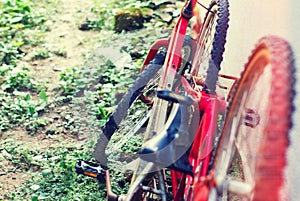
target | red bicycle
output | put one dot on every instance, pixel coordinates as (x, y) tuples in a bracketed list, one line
[(197, 143)]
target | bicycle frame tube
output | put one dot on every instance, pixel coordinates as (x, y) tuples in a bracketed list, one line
[(163, 43), (212, 106), (175, 45), (201, 136), (200, 155), (173, 60)]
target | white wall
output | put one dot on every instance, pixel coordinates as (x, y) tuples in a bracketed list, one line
[(249, 21), (294, 153)]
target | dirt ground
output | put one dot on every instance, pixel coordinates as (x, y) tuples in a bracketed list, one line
[(66, 35)]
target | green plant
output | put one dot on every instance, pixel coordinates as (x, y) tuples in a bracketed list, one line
[(21, 157), (19, 109), (103, 16), (70, 81), (4, 69), (19, 12), (43, 96), (9, 53), (45, 52), (15, 17), (19, 80), (105, 13)]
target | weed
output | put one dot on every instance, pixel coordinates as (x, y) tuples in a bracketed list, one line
[(19, 109), (15, 17), (105, 13), (43, 96), (45, 52), (19, 80), (9, 53)]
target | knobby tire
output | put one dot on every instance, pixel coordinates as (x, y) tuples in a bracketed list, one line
[(269, 159)]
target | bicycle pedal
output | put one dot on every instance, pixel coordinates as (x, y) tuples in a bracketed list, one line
[(174, 97), (94, 170)]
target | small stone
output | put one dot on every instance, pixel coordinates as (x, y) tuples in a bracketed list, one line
[(170, 9), (129, 19), (46, 172), (84, 27), (137, 52), (34, 187), (50, 132)]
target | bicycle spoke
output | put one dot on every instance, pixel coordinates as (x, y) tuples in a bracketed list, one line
[(128, 132)]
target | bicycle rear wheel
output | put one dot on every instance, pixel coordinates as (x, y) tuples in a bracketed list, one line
[(211, 44), (255, 138)]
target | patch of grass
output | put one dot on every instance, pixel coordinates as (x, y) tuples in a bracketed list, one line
[(52, 171), (92, 94), (15, 17), (21, 110), (19, 80), (56, 178), (45, 52), (22, 99), (17, 88), (85, 97), (19, 12)]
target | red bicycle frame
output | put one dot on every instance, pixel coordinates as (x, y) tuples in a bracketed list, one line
[(210, 107), (194, 187)]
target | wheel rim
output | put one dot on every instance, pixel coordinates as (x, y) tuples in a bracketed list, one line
[(132, 127), (255, 117), (205, 44), (255, 125), (248, 127), (249, 119)]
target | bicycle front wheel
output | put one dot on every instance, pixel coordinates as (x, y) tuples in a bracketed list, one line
[(252, 149), (130, 115)]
